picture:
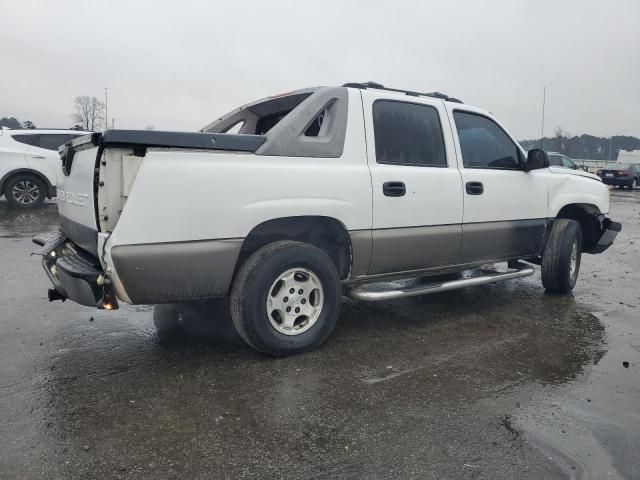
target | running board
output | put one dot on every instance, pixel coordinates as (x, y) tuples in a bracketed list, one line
[(375, 292)]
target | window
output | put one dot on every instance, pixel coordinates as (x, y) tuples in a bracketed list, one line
[(408, 134), (484, 144), (267, 122), (567, 163), (28, 139), (316, 125), (555, 160), (52, 142)]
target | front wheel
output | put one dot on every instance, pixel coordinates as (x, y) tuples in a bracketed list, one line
[(561, 256), (286, 298)]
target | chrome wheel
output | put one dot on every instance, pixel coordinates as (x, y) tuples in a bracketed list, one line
[(573, 266), (25, 192), (294, 301)]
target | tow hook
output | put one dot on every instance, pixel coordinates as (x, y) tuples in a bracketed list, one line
[(108, 300), (54, 295)]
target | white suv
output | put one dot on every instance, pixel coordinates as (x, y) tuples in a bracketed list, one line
[(29, 164)]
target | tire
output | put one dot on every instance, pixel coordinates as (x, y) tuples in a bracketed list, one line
[(25, 191), (564, 242), (634, 184), (266, 326)]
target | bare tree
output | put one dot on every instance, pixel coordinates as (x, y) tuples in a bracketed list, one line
[(561, 137), (89, 114), (558, 132)]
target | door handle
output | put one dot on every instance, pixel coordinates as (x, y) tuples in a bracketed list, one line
[(474, 188), (394, 189), (37, 156)]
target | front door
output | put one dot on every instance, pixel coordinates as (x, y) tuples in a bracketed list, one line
[(417, 190), (505, 208)]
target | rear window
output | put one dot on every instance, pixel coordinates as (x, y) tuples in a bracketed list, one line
[(616, 166), (53, 141), (28, 139), (46, 141), (408, 134)]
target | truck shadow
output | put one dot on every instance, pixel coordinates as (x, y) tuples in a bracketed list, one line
[(205, 322)]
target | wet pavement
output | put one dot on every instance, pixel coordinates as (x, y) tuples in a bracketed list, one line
[(497, 381)]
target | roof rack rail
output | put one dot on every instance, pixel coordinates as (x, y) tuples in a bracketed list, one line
[(379, 86)]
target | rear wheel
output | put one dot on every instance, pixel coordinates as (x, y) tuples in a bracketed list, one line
[(286, 298), (25, 191), (561, 256)]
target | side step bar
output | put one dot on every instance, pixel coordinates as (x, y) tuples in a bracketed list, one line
[(375, 292)]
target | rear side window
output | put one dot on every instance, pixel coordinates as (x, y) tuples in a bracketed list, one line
[(408, 134), (484, 144), (52, 142), (27, 139)]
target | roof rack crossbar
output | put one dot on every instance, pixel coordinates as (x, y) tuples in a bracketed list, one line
[(379, 86)]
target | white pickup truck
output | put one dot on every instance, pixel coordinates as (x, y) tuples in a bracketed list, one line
[(360, 190)]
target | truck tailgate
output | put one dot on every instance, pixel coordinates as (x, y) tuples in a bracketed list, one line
[(76, 192)]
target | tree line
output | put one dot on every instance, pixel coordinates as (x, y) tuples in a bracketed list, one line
[(587, 147), (89, 114), (13, 122)]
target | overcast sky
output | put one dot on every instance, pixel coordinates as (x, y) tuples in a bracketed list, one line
[(180, 64)]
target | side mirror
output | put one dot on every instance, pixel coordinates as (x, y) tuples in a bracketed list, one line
[(536, 159)]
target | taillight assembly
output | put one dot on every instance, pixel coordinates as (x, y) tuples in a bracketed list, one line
[(621, 173)]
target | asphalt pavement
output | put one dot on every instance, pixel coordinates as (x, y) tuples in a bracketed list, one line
[(490, 382)]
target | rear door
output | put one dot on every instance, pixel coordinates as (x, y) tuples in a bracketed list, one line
[(43, 155), (505, 208), (417, 190), (13, 150)]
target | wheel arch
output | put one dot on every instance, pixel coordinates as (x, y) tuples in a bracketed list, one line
[(22, 171), (326, 233), (587, 215)]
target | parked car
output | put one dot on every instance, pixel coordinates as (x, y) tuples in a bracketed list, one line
[(620, 175), (29, 164), (324, 192), (560, 160)]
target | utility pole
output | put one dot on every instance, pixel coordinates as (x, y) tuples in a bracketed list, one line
[(544, 99), (106, 109)]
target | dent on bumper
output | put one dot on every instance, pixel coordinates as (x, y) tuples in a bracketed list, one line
[(74, 273), (610, 231)]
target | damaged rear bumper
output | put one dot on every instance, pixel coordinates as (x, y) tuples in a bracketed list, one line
[(74, 273), (610, 230)]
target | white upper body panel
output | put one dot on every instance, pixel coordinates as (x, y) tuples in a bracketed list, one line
[(186, 195), (198, 195)]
